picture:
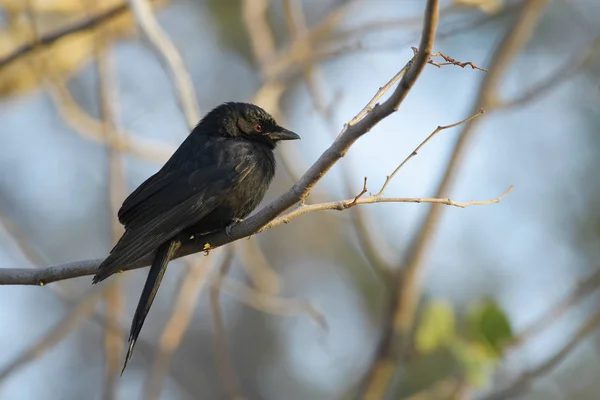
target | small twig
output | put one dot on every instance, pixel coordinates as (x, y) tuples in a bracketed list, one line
[(526, 379), (358, 196), (225, 367), (420, 146), (167, 50), (181, 316), (382, 90)]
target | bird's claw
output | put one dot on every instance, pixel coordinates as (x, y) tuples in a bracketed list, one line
[(230, 226)]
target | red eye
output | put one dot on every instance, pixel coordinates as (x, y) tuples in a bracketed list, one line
[(258, 127)]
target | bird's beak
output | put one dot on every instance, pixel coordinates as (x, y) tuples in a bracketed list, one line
[(282, 134)]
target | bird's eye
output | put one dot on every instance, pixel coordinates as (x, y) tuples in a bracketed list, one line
[(258, 127)]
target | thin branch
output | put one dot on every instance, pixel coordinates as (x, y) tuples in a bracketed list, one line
[(84, 24), (372, 249), (571, 67), (405, 297), (273, 305), (257, 266), (225, 367), (300, 190), (181, 316), (167, 50), (525, 380), (82, 311), (254, 14), (420, 146), (345, 204), (555, 312)]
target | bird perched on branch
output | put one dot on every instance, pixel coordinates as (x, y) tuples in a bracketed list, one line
[(217, 176)]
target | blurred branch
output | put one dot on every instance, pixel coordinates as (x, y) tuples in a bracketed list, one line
[(270, 304), (554, 313), (108, 91), (297, 193), (407, 291), (373, 250), (526, 379), (256, 265), (225, 367), (20, 241), (45, 40), (254, 14), (574, 65), (183, 311), (67, 325), (167, 50), (92, 129)]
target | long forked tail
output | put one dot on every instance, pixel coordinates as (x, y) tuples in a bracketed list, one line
[(163, 255)]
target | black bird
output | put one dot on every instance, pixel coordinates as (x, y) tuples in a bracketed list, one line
[(217, 176)]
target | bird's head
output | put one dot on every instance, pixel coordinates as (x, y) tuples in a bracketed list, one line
[(246, 121)]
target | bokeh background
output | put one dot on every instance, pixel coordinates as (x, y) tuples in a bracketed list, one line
[(506, 293)]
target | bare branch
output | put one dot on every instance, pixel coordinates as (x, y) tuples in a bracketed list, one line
[(297, 193), (420, 146), (407, 291), (167, 50)]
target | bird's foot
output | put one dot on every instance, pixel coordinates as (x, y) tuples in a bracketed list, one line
[(230, 226)]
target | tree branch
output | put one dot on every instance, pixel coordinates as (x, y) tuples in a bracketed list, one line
[(297, 193)]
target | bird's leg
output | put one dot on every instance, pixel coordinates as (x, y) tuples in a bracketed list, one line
[(233, 222)]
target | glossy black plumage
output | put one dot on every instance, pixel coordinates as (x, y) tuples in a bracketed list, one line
[(218, 175)]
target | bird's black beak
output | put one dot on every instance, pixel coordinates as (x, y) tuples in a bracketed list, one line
[(282, 134)]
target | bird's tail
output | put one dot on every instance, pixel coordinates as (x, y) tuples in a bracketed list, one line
[(163, 255)]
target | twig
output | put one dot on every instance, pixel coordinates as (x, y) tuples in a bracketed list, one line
[(345, 204), (167, 50), (225, 367), (526, 379), (67, 325), (296, 194), (405, 297), (183, 311), (420, 146)]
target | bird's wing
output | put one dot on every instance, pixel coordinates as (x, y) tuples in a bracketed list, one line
[(166, 205)]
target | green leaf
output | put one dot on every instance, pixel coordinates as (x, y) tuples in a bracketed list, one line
[(437, 327), (475, 361), (488, 325)]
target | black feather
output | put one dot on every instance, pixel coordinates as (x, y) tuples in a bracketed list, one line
[(219, 174)]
